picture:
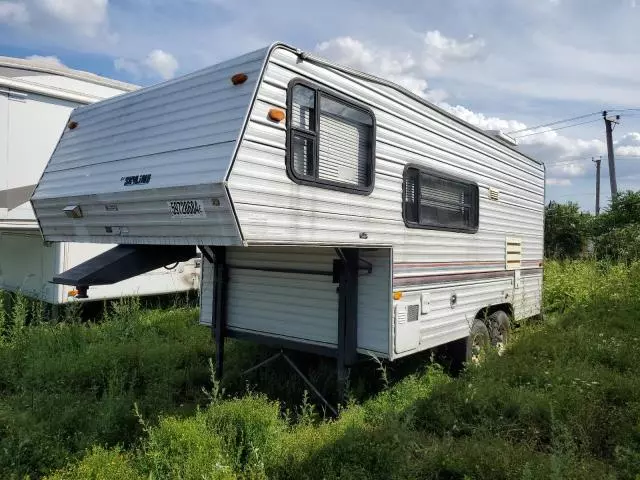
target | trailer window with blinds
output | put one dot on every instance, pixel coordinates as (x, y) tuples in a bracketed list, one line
[(437, 201), (330, 140)]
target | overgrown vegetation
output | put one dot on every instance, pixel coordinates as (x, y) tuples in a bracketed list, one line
[(614, 235), (70, 385), (104, 400)]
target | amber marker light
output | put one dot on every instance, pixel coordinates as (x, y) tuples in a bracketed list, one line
[(239, 78), (276, 115), (397, 295)]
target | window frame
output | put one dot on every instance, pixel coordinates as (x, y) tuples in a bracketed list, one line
[(444, 176), (315, 136)]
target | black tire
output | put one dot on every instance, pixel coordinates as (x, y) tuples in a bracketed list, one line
[(499, 329), (478, 341)]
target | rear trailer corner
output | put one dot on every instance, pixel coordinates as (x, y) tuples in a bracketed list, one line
[(150, 167)]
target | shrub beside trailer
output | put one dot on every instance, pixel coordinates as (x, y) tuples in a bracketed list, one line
[(35, 101), (336, 212)]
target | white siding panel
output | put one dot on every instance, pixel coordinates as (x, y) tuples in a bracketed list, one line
[(206, 292), (273, 209), (182, 133), (445, 323), (527, 300), (374, 303), (296, 306), (4, 137), (143, 217)]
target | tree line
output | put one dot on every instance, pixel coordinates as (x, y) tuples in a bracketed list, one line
[(613, 235)]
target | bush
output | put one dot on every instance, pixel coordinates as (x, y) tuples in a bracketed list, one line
[(100, 464), (186, 449)]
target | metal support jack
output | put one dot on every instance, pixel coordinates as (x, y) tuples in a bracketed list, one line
[(281, 354), (347, 268), (217, 256)]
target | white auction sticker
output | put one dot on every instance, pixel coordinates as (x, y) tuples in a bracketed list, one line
[(187, 208)]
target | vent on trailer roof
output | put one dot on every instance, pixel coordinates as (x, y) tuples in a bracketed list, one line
[(513, 253)]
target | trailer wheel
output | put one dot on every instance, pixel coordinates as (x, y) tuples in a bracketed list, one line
[(500, 330), (478, 342)]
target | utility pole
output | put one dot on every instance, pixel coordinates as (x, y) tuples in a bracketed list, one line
[(597, 162), (608, 122)]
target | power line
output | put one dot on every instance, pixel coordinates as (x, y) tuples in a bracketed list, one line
[(579, 117), (559, 128), (623, 109), (578, 160)]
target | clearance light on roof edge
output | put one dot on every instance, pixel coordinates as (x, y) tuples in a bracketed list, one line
[(239, 78), (276, 115), (397, 295)]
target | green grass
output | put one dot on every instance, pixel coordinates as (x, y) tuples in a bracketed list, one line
[(71, 385), (104, 401)]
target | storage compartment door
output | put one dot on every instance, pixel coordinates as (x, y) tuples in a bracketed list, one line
[(283, 292), (406, 321)]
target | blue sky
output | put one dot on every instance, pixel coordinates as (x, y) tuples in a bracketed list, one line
[(500, 64)]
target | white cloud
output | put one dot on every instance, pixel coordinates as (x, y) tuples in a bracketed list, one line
[(87, 17), (411, 69), (157, 64), (163, 63), (561, 182), (407, 67), (126, 65), (568, 169), (482, 121), (49, 60), (440, 49), (628, 144), (13, 13), (396, 66)]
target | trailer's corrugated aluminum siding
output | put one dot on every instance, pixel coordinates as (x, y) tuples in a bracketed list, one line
[(273, 209), (527, 300), (301, 307), (183, 133), (446, 322)]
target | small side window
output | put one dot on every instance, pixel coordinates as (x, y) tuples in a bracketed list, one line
[(330, 140), (438, 201)]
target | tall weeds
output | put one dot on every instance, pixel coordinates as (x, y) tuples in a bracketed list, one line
[(562, 402)]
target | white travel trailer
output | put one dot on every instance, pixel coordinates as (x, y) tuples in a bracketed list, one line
[(337, 212), (36, 99)]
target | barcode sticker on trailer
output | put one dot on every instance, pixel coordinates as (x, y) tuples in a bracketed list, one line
[(187, 208)]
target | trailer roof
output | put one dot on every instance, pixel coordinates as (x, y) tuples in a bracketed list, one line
[(46, 67)]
